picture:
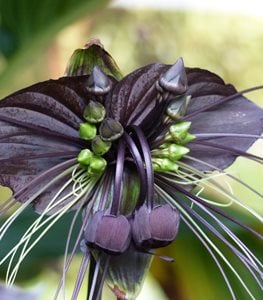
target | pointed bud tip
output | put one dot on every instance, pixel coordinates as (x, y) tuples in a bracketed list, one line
[(174, 80), (98, 83), (178, 132), (93, 42), (164, 165)]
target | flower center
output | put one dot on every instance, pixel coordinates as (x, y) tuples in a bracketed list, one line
[(148, 224)]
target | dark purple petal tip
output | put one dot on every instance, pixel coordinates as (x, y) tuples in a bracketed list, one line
[(174, 80), (98, 83)]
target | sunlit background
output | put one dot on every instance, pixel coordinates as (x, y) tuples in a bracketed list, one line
[(225, 37)]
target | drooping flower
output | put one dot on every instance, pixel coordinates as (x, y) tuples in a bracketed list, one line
[(126, 154)]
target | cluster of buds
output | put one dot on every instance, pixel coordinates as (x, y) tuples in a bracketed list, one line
[(173, 148), (149, 225), (98, 129)]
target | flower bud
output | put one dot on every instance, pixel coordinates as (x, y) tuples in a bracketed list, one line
[(98, 83), (110, 130), (155, 228), (177, 132), (172, 152), (177, 108), (189, 137), (174, 80), (87, 131), (108, 232), (127, 271), (97, 166), (100, 147), (83, 61), (85, 156), (164, 165), (94, 112)]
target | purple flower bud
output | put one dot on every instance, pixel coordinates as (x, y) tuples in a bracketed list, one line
[(98, 83), (174, 80), (108, 232), (155, 228), (110, 130)]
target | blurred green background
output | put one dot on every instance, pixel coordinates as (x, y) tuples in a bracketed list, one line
[(36, 41)]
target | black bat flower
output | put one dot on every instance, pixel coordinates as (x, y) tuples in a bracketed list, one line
[(127, 154)]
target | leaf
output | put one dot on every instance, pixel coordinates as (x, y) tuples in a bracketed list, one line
[(194, 269), (93, 54), (27, 26), (50, 246)]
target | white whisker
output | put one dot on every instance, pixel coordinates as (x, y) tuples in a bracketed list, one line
[(216, 249), (11, 278), (36, 226), (208, 247), (217, 187), (69, 260), (73, 222), (13, 217), (221, 171)]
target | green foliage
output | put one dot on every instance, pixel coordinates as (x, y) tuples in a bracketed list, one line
[(83, 61), (27, 26), (194, 275)]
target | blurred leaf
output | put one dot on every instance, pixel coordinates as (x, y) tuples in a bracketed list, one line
[(195, 276), (26, 27)]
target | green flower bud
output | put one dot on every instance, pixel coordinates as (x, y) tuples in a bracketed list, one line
[(94, 112), (85, 156), (97, 166), (164, 165), (100, 147), (189, 137), (177, 132), (164, 145), (87, 131), (173, 152), (110, 130)]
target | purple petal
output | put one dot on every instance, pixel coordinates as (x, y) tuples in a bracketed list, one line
[(235, 116), (135, 96), (35, 123)]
